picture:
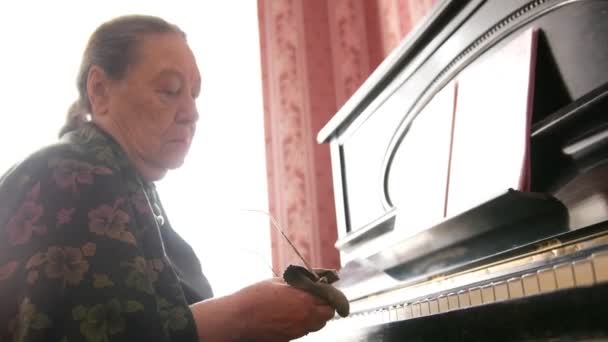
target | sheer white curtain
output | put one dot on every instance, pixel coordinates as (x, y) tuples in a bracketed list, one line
[(42, 43)]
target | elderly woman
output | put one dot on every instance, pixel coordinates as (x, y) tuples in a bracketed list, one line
[(87, 252)]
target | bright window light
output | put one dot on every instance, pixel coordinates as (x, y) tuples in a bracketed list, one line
[(225, 173)]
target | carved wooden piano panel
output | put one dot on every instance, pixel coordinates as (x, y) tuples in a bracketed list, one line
[(471, 179)]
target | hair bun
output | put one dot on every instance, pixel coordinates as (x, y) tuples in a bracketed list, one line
[(77, 115)]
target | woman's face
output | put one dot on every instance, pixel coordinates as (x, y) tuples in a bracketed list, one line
[(154, 105)]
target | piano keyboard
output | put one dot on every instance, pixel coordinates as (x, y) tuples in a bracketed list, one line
[(583, 272)]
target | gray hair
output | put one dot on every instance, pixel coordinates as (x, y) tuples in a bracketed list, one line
[(112, 47)]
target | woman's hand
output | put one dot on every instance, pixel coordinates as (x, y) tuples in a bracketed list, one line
[(266, 311)]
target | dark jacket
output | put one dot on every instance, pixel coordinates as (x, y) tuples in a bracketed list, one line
[(87, 252)]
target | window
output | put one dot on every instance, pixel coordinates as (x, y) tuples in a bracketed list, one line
[(226, 168)]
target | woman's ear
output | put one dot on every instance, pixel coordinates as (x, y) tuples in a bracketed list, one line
[(98, 84)]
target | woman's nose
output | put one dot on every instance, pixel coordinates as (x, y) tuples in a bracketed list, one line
[(187, 113)]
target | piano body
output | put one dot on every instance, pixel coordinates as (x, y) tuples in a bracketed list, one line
[(437, 242)]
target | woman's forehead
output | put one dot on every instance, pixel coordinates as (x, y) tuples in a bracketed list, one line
[(166, 54)]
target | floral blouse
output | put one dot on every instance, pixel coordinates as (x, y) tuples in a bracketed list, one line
[(87, 252)]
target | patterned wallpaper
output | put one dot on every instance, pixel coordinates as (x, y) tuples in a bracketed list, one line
[(315, 54)]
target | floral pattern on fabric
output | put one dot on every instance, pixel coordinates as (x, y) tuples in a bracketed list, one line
[(66, 264), (25, 222), (82, 257), (7, 270), (70, 174), (101, 321), (28, 319), (111, 221)]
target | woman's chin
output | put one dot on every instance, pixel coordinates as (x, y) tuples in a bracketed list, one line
[(174, 163), (174, 155)]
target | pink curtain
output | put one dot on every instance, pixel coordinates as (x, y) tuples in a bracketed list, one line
[(315, 54)]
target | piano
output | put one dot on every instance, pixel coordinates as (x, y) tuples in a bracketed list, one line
[(471, 179)]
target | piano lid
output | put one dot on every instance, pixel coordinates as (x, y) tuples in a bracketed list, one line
[(380, 119), (526, 263)]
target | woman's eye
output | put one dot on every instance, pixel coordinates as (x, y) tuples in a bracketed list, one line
[(170, 92)]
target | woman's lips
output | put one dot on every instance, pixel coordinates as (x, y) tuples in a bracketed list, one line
[(184, 142), (182, 136)]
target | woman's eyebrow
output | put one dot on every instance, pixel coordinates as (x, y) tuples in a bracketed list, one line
[(170, 73)]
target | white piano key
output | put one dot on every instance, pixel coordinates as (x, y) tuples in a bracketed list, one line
[(530, 283), (475, 296), (516, 289), (355, 319), (392, 314), (583, 273), (360, 319), (501, 291), (453, 301), (363, 319), (375, 318), (546, 280), (443, 303), (416, 309), (425, 310), (487, 294), (434, 306), (564, 276), (408, 311), (400, 312), (372, 318), (600, 266), (463, 299), (386, 315)]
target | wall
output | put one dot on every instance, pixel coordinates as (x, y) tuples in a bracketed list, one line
[(315, 54)]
